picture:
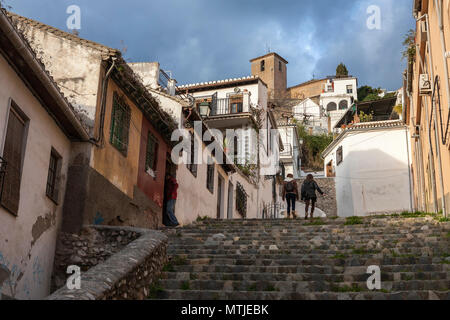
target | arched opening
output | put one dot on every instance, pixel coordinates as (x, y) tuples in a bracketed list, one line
[(343, 105), (332, 106)]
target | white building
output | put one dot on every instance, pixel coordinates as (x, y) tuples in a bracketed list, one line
[(371, 165), (290, 158), (229, 105), (320, 114), (312, 115), (338, 95)]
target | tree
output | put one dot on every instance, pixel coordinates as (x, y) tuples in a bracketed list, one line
[(366, 93), (341, 70), (409, 44)]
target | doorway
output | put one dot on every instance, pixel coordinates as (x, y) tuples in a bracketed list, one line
[(170, 168), (230, 201), (219, 197)]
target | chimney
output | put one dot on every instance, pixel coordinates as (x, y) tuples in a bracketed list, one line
[(171, 86)]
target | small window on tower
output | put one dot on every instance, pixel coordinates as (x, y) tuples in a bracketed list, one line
[(263, 65), (279, 66)]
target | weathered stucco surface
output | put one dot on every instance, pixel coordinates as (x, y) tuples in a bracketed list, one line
[(121, 170), (27, 242), (74, 67)]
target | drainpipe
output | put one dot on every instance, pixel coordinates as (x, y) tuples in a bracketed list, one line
[(99, 140)]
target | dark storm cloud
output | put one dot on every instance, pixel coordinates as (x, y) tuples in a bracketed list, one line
[(201, 40)]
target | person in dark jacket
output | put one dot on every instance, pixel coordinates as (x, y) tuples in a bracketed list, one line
[(171, 188), (309, 188), (290, 194)]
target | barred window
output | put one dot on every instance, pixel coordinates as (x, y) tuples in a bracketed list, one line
[(54, 171), (13, 155), (210, 177), (241, 200), (191, 165), (339, 156), (152, 152), (120, 124)]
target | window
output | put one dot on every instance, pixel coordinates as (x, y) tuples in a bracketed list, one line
[(54, 171), (339, 156), (191, 165), (263, 65), (236, 103), (241, 200), (13, 155), (349, 89), (120, 124), (343, 105), (279, 66), (210, 177), (330, 88), (332, 106), (152, 152), (236, 107)]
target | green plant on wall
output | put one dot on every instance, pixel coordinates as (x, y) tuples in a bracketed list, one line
[(409, 44), (398, 109), (313, 146), (366, 117)]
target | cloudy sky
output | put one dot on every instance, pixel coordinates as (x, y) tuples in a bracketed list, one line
[(203, 40)]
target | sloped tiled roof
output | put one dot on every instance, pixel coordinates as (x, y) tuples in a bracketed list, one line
[(78, 129), (59, 33), (233, 81)]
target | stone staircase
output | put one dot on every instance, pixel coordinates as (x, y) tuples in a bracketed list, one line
[(294, 260)]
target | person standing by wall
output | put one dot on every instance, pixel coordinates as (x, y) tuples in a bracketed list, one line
[(290, 194), (170, 220), (309, 188)]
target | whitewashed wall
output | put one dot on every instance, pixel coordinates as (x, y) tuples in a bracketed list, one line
[(374, 175)]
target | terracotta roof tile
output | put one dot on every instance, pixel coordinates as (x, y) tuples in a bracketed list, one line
[(59, 33)]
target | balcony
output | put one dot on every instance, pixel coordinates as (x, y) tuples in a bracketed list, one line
[(226, 113)]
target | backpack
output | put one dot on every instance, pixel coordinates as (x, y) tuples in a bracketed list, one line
[(290, 187)]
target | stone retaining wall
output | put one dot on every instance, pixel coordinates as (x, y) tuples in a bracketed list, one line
[(328, 203), (126, 274)]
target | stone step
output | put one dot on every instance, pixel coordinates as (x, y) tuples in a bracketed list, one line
[(302, 286), (261, 296), (256, 244), (257, 249), (352, 261), (276, 256), (336, 277), (311, 269)]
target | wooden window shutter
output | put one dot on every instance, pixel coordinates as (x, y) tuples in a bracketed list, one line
[(13, 155), (152, 152)]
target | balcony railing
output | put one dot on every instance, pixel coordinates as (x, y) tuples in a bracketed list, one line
[(225, 106), (2, 174), (288, 151), (163, 78)]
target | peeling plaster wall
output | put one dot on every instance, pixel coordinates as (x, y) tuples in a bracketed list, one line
[(74, 67), (27, 242)]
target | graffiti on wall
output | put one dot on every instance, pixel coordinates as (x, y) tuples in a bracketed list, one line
[(10, 276)]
